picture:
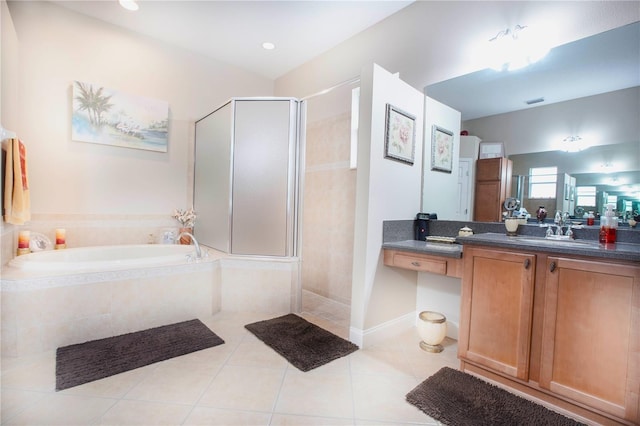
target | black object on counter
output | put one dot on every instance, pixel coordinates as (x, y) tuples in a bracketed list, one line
[(421, 225)]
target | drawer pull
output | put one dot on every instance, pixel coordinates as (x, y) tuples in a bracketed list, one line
[(552, 267), (527, 263), (416, 264)]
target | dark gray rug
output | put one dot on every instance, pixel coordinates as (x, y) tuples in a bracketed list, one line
[(456, 398), (97, 359), (303, 344)]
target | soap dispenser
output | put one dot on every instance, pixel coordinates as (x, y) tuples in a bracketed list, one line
[(608, 226)]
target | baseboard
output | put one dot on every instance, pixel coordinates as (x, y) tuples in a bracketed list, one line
[(381, 332)]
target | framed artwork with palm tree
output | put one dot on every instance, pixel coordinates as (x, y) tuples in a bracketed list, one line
[(110, 117)]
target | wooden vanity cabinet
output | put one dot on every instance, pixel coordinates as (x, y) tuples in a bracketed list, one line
[(493, 186), (591, 334), (497, 305), (565, 329), (451, 267)]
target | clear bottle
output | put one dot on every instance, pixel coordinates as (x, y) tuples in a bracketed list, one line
[(591, 219), (608, 226)]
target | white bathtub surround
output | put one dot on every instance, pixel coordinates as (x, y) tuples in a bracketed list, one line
[(262, 284), (42, 310), (41, 314)]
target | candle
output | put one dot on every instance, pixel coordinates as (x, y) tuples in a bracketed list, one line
[(61, 236), (23, 239)]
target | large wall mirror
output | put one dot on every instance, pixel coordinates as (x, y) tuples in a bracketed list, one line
[(589, 88)]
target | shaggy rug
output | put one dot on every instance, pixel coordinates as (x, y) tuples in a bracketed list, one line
[(456, 398), (303, 344), (97, 359)]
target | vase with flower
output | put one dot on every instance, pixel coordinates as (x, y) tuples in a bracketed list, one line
[(187, 219)]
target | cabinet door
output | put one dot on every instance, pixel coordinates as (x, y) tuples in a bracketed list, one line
[(591, 334), (488, 202), (497, 304), (488, 169)]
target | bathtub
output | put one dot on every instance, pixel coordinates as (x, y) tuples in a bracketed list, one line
[(104, 258), (56, 298)]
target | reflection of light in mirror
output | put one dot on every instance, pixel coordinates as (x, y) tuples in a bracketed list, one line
[(607, 167), (572, 144), (515, 48)]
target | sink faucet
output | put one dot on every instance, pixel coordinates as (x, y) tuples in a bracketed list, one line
[(195, 243), (561, 220)]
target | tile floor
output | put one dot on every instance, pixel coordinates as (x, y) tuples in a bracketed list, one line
[(242, 382)]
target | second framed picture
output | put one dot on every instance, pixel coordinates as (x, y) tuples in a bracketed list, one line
[(400, 135), (441, 149)]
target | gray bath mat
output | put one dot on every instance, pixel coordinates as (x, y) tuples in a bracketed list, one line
[(303, 344), (97, 359), (457, 398)]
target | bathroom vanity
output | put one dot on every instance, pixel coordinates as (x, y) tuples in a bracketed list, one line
[(557, 321)]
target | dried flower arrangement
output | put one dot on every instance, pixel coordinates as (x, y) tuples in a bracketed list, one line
[(187, 218)]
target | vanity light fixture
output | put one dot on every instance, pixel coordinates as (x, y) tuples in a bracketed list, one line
[(514, 48), (129, 4), (268, 45)]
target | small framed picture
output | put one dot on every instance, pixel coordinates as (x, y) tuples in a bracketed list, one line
[(491, 150), (399, 135), (441, 149)]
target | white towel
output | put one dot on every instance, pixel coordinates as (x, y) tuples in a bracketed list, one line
[(17, 203)]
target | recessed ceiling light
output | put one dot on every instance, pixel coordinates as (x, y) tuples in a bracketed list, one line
[(129, 4), (268, 45)]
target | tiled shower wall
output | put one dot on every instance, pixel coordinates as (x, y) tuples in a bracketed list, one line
[(329, 209)]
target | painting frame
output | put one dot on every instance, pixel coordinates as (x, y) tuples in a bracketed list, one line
[(441, 149), (106, 116), (399, 135)]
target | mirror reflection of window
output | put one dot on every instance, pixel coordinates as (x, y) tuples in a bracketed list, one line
[(542, 182), (586, 196)]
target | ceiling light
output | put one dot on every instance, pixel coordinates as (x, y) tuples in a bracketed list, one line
[(572, 144), (514, 48), (268, 45), (129, 4)]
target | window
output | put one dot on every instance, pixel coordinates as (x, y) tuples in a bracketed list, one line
[(542, 182), (586, 196)]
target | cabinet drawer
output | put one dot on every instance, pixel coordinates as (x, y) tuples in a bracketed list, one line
[(420, 264)]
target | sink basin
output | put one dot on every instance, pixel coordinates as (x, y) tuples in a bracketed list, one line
[(557, 241)]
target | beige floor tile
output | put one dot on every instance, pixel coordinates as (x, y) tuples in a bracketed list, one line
[(36, 375), (13, 401), (254, 353), (382, 398), (126, 412), (372, 361), (112, 387), (174, 382), (241, 382), (291, 420), (316, 393), (67, 410), (219, 417), (244, 388)]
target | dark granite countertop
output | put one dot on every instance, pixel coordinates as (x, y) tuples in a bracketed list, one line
[(618, 251), (398, 235), (423, 247)]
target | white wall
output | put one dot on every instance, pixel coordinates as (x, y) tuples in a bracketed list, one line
[(385, 190), (440, 189), (431, 41), (56, 47), (605, 119)]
